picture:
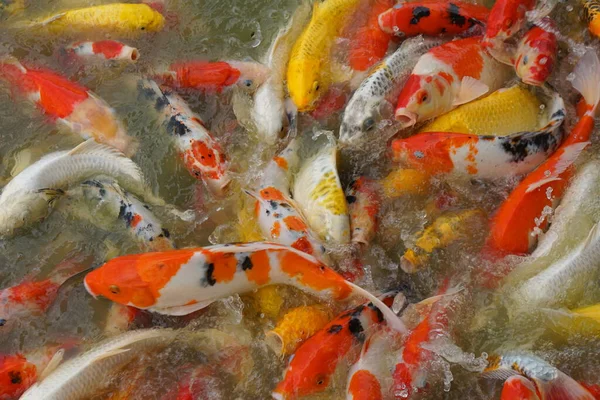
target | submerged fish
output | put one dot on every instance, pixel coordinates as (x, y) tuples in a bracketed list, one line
[(28, 196), (363, 202), (318, 192), (104, 49), (105, 204), (536, 55), (309, 67), (180, 282), (369, 43), (518, 387), (114, 19), (201, 153), (68, 103), (516, 219), (447, 76), (432, 18), (372, 101), (488, 157), (81, 376), (548, 381)]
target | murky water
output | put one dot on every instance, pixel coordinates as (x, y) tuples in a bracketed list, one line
[(239, 30)]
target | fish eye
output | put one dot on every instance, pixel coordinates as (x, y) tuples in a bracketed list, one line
[(368, 124), (320, 380), (525, 60), (114, 289), (248, 82), (423, 97), (316, 86)]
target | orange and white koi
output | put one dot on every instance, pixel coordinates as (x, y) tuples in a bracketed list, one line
[(432, 18), (518, 387), (180, 282), (310, 369), (549, 382), (447, 76), (363, 202), (278, 172), (201, 153), (536, 55), (68, 103), (370, 43), (214, 76), (485, 156), (514, 223), (104, 49)]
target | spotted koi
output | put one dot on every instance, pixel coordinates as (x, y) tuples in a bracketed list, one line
[(201, 153), (536, 55), (179, 282), (363, 200), (548, 381), (68, 103), (104, 49), (513, 226), (310, 369), (370, 43), (432, 18), (485, 156), (447, 76)]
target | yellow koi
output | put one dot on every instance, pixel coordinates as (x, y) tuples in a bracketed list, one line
[(269, 300)]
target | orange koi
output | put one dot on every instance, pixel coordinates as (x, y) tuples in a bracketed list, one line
[(519, 215), (536, 55), (104, 49), (179, 282), (432, 18), (363, 202), (68, 103), (370, 43)]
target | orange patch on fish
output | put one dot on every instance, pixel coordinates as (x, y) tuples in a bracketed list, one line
[(204, 154), (282, 162), (464, 56), (157, 269), (271, 193), (295, 223), (304, 245), (260, 269), (365, 386), (137, 218), (276, 230), (225, 266)]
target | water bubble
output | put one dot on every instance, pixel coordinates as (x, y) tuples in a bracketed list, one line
[(569, 8), (571, 77)]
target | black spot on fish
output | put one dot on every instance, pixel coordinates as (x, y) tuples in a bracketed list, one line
[(356, 329), (418, 13), (166, 233), (15, 377), (558, 114), (524, 145), (335, 329), (273, 204), (145, 91), (125, 214), (443, 30), (247, 264), (93, 183), (176, 127), (267, 212), (351, 199), (2, 322), (161, 102), (210, 269), (455, 17), (285, 205), (377, 311), (355, 313)]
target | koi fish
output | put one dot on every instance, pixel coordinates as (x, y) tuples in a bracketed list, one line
[(28, 196), (518, 387), (114, 19), (368, 105), (269, 108), (515, 220), (104, 49), (308, 72), (81, 376), (105, 204), (592, 12), (447, 76), (487, 157), (318, 192), (536, 55), (295, 327), (548, 381), (194, 278), (214, 76), (68, 103), (445, 230), (363, 201), (404, 181), (279, 170), (432, 18), (504, 112), (311, 367), (281, 222), (201, 153), (369, 44)]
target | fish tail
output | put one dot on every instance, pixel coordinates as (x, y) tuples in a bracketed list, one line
[(587, 79), (392, 319), (563, 387)]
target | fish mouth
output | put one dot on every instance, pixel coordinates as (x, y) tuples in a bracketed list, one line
[(89, 290), (405, 118)]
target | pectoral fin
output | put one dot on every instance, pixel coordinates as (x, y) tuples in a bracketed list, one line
[(470, 89), (53, 364), (185, 309), (51, 194)]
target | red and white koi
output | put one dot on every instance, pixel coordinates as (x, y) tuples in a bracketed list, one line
[(363, 202), (536, 54), (548, 381), (370, 43), (518, 387), (201, 153), (311, 367), (68, 103), (104, 49), (513, 226), (486, 156), (180, 282), (447, 76), (214, 76), (432, 18)]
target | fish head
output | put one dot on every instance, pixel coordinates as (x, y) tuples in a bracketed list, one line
[(120, 281), (306, 84), (16, 375), (252, 74), (360, 119), (423, 97), (535, 57), (23, 209), (506, 18), (150, 20), (518, 387)]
